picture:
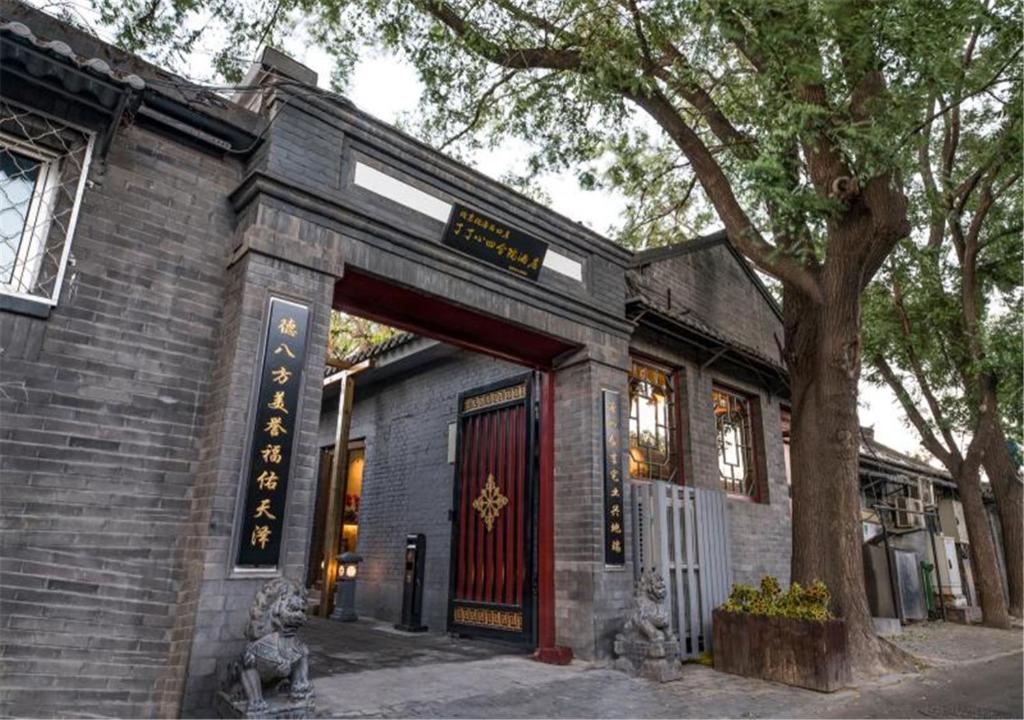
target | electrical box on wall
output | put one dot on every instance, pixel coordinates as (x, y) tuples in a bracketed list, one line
[(951, 519)]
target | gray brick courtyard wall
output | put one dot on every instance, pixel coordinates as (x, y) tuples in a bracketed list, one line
[(407, 479), (101, 410), (713, 286), (591, 600), (222, 595)]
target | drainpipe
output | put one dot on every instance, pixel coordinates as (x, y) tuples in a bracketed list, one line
[(935, 557), (896, 600)]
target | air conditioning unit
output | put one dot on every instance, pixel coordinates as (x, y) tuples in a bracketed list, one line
[(909, 513)]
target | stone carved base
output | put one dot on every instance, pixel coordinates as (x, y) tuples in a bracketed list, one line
[(646, 646), (656, 660), (278, 707)]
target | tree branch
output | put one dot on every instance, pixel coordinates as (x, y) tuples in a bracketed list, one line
[(918, 368), (928, 439), (514, 58), (479, 110), (740, 229)]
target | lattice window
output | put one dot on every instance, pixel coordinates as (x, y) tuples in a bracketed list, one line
[(43, 168), (652, 427), (735, 436)]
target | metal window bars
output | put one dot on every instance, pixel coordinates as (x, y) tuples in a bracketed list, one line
[(43, 168)]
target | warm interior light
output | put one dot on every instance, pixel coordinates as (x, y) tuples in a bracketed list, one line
[(350, 571)]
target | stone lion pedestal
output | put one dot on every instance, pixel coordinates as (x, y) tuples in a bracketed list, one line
[(271, 679), (647, 646)]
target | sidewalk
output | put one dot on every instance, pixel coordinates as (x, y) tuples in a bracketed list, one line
[(943, 644), (367, 669)]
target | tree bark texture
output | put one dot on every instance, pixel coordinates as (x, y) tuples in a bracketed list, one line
[(1009, 492), (982, 549), (824, 361)]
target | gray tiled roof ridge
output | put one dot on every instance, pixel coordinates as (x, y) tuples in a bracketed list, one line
[(63, 50)]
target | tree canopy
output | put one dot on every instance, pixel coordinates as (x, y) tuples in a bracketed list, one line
[(613, 90)]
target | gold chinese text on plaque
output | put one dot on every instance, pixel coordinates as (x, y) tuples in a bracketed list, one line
[(489, 502), (495, 397)]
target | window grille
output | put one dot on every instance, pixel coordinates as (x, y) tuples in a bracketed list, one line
[(652, 426), (43, 169), (735, 438)]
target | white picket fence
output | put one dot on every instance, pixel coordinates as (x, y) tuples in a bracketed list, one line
[(683, 533)]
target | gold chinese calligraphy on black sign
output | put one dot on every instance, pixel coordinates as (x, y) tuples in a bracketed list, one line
[(614, 504), (273, 434), (494, 242)]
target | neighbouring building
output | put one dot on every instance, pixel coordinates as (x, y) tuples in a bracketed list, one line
[(916, 547), (557, 414)]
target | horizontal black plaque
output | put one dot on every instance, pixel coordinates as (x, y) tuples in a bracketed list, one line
[(494, 242), (259, 544), (614, 522)]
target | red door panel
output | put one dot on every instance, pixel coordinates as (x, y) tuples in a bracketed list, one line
[(492, 532)]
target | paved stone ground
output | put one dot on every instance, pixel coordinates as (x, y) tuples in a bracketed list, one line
[(939, 643), (367, 669)]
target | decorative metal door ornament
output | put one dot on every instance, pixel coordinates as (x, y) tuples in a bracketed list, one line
[(489, 502)]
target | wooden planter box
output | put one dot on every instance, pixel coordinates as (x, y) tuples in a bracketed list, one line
[(795, 652)]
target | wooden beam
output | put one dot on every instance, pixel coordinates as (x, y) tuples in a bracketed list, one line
[(349, 371), (336, 494)]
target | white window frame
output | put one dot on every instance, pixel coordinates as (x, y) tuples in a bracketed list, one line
[(38, 219)]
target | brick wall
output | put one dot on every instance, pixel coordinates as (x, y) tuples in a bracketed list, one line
[(407, 479), (712, 284), (759, 531), (100, 416), (219, 595)]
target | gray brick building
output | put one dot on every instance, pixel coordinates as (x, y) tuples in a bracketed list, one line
[(406, 405), (151, 229)]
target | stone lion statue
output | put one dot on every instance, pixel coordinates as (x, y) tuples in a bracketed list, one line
[(647, 645), (275, 660), (650, 618)]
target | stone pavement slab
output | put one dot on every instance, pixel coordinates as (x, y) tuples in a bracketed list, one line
[(945, 643), (368, 670)]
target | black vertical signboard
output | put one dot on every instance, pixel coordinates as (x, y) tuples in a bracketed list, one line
[(614, 537), (273, 433)]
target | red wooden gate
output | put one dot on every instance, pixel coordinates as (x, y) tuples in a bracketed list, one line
[(491, 591)]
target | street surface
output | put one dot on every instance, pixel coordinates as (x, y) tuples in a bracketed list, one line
[(367, 669)]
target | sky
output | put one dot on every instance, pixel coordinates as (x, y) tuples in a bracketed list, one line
[(387, 87)]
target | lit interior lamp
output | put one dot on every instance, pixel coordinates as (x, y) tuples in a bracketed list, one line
[(345, 587)]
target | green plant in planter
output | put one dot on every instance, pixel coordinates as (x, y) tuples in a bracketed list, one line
[(768, 600)]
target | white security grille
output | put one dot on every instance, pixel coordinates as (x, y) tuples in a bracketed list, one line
[(682, 533), (43, 168)]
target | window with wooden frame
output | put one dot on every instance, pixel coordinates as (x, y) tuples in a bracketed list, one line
[(736, 439), (653, 453)]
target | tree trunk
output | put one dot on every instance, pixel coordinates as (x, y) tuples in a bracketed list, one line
[(1009, 492), (822, 349), (982, 549)]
